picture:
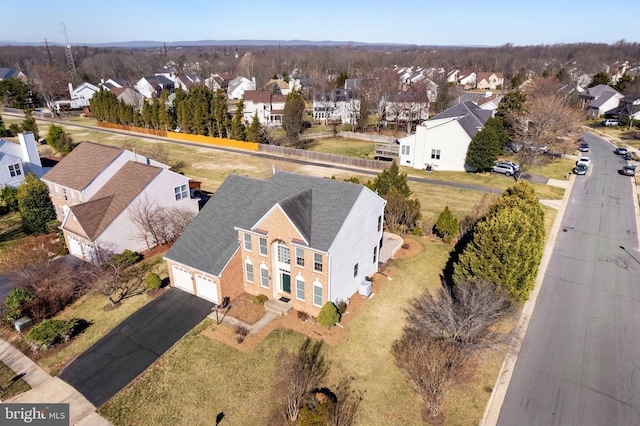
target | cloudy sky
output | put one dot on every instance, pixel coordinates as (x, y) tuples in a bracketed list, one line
[(422, 22)]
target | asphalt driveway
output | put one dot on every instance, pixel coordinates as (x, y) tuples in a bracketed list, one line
[(116, 359)]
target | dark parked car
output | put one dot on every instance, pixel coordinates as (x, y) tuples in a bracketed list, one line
[(584, 147), (621, 151), (627, 156), (580, 169), (628, 170)]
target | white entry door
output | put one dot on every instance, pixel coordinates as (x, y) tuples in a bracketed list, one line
[(182, 279), (206, 288)]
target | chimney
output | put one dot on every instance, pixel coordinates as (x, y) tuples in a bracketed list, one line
[(71, 90), (29, 150)]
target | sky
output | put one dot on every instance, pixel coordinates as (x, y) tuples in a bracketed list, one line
[(421, 22)]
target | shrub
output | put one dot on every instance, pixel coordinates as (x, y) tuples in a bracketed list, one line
[(153, 281), (447, 225), (328, 315), (241, 332), (49, 332), (9, 196), (126, 258), (303, 316), (261, 298), (342, 307), (16, 300)]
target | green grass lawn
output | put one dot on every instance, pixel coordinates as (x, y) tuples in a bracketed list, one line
[(8, 386)]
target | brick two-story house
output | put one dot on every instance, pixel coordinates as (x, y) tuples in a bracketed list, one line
[(300, 239)]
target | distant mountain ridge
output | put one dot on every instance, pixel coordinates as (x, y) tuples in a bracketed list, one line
[(158, 44)]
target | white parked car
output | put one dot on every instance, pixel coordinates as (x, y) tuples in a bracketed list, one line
[(509, 163), (584, 160), (504, 169)]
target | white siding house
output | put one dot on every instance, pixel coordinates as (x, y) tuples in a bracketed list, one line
[(441, 143), (16, 160)]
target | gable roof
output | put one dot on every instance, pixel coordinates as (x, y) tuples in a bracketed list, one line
[(8, 73), (113, 198), (599, 90), (470, 116), (318, 207), (257, 96), (78, 169)]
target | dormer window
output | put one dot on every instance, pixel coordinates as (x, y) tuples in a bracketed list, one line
[(15, 170)]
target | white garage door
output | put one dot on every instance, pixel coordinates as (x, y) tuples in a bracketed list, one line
[(207, 289), (74, 247), (182, 279)]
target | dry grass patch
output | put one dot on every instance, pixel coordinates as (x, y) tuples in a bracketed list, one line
[(343, 146), (10, 384)]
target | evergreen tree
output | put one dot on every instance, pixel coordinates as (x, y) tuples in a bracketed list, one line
[(9, 197), (29, 124), (35, 206), (389, 179), (254, 131), (342, 77), (363, 116), (237, 126), (447, 225), (600, 78), (483, 150), (292, 116), (220, 113), (58, 139), (3, 130), (512, 101), (622, 82), (328, 315)]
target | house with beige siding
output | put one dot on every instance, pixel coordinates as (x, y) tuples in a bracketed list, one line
[(297, 239), (96, 189)]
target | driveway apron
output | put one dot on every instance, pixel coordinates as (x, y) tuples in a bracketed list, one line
[(116, 359)]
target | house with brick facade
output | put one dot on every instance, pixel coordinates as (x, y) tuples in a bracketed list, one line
[(298, 239), (96, 189)]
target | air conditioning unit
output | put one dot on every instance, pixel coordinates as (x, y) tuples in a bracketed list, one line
[(365, 288)]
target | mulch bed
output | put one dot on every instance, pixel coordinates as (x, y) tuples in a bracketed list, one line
[(243, 308)]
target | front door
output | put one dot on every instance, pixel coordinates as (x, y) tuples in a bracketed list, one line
[(286, 282)]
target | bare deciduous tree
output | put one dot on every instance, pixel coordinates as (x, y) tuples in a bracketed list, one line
[(435, 366), (463, 316), (122, 281), (347, 404), (158, 225), (299, 373), (50, 83)]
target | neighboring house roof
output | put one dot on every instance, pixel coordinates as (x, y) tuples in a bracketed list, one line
[(258, 96), (316, 206), (597, 91), (8, 73), (470, 116), (82, 165), (113, 198)]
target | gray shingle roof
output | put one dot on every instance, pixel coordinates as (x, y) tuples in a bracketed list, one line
[(318, 207), (470, 116)]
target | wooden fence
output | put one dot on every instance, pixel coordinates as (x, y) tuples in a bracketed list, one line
[(324, 157)]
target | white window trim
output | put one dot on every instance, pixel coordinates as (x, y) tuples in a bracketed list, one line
[(300, 279), (266, 246), (246, 271), (320, 271), (247, 241), (317, 284), (263, 268)]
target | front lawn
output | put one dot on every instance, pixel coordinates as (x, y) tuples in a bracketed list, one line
[(343, 146), (200, 378)]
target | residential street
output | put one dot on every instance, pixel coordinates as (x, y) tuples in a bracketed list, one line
[(578, 362)]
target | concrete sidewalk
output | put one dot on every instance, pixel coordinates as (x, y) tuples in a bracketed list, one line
[(48, 389)]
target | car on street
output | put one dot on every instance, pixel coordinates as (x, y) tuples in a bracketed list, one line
[(504, 169), (628, 170), (627, 156), (621, 151), (509, 163), (584, 160), (580, 169), (584, 147), (611, 122)]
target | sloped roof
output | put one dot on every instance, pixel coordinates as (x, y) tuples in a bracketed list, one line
[(258, 96), (78, 169), (8, 73), (470, 116), (599, 90), (113, 198), (317, 206)]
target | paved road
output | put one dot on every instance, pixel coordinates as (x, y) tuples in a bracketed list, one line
[(579, 360), (125, 352)]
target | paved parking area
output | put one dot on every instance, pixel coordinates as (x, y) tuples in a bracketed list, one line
[(124, 353)]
